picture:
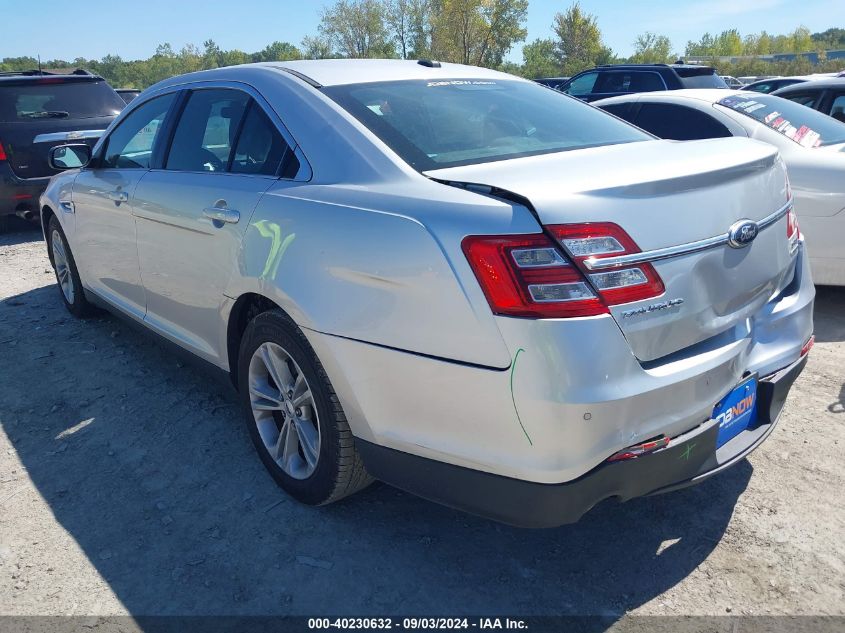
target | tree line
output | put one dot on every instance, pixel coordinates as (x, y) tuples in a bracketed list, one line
[(477, 32)]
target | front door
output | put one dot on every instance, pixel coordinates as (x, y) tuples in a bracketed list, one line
[(105, 238)]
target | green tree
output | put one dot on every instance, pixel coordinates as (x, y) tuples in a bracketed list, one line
[(579, 42), (651, 48), (316, 47), (479, 32), (277, 52), (357, 29), (540, 59)]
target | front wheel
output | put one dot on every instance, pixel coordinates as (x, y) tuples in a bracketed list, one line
[(295, 419), (67, 274)]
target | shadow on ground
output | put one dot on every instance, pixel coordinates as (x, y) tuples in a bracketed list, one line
[(147, 464), (20, 231)]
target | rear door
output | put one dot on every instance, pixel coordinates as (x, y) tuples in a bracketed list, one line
[(39, 113), (191, 215), (104, 237)]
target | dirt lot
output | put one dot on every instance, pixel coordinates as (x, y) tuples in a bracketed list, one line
[(128, 485)]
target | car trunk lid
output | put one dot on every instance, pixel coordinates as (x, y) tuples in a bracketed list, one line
[(667, 196)]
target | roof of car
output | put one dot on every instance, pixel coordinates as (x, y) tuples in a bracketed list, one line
[(710, 95), (814, 84), (334, 72), (63, 74)]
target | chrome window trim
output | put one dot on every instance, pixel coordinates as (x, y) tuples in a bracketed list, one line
[(592, 263), (73, 135)]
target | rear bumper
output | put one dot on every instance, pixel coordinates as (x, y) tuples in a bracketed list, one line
[(19, 194), (689, 459)]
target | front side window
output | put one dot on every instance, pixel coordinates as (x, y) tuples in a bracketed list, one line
[(206, 130), (803, 125), (582, 85), (446, 123), (679, 123), (260, 147), (131, 144)]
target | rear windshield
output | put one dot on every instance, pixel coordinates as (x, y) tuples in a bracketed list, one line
[(46, 99), (446, 123), (803, 125), (700, 78)]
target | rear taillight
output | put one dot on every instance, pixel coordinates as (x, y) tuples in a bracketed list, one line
[(2, 153), (529, 276), (589, 243)]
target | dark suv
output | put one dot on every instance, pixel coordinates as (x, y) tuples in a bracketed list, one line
[(39, 110), (619, 79)]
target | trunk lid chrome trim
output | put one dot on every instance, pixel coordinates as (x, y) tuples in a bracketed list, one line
[(689, 248)]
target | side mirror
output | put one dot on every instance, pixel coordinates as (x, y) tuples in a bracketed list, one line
[(64, 157)]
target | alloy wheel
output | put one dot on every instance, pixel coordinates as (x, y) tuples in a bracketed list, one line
[(284, 411), (61, 265)]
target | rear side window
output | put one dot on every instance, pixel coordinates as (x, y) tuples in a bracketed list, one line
[(804, 98), (51, 98), (622, 110), (700, 78), (206, 130), (260, 147), (131, 144), (633, 81), (679, 123), (837, 108)]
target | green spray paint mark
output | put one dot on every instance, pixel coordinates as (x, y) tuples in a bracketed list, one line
[(687, 452), (519, 419), (278, 247)]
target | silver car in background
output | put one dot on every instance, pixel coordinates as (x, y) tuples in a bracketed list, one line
[(462, 283), (811, 144)]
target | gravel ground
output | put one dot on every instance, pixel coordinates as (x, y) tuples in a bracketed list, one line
[(128, 484)]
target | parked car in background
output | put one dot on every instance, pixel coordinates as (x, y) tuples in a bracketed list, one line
[(775, 83), (824, 95), (812, 146), (732, 82), (448, 278), (552, 82), (611, 80), (39, 110), (127, 94)]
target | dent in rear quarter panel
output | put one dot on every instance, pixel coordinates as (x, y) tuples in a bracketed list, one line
[(341, 268)]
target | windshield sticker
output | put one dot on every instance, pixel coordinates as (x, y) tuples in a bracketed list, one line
[(807, 137), (771, 117), (460, 82)]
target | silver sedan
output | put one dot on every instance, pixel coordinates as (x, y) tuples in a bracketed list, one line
[(462, 283)]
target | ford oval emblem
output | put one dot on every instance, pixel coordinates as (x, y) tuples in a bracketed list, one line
[(742, 233)]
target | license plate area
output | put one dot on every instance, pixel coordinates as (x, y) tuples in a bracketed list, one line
[(736, 411)]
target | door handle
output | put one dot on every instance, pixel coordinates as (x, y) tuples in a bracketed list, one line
[(216, 214), (118, 196)]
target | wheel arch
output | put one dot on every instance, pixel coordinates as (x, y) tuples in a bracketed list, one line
[(246, 307)]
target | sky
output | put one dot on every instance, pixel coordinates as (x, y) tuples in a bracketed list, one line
[(133, 29)]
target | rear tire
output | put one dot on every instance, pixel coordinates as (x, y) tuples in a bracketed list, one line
[(67, 275), (299, 430)]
